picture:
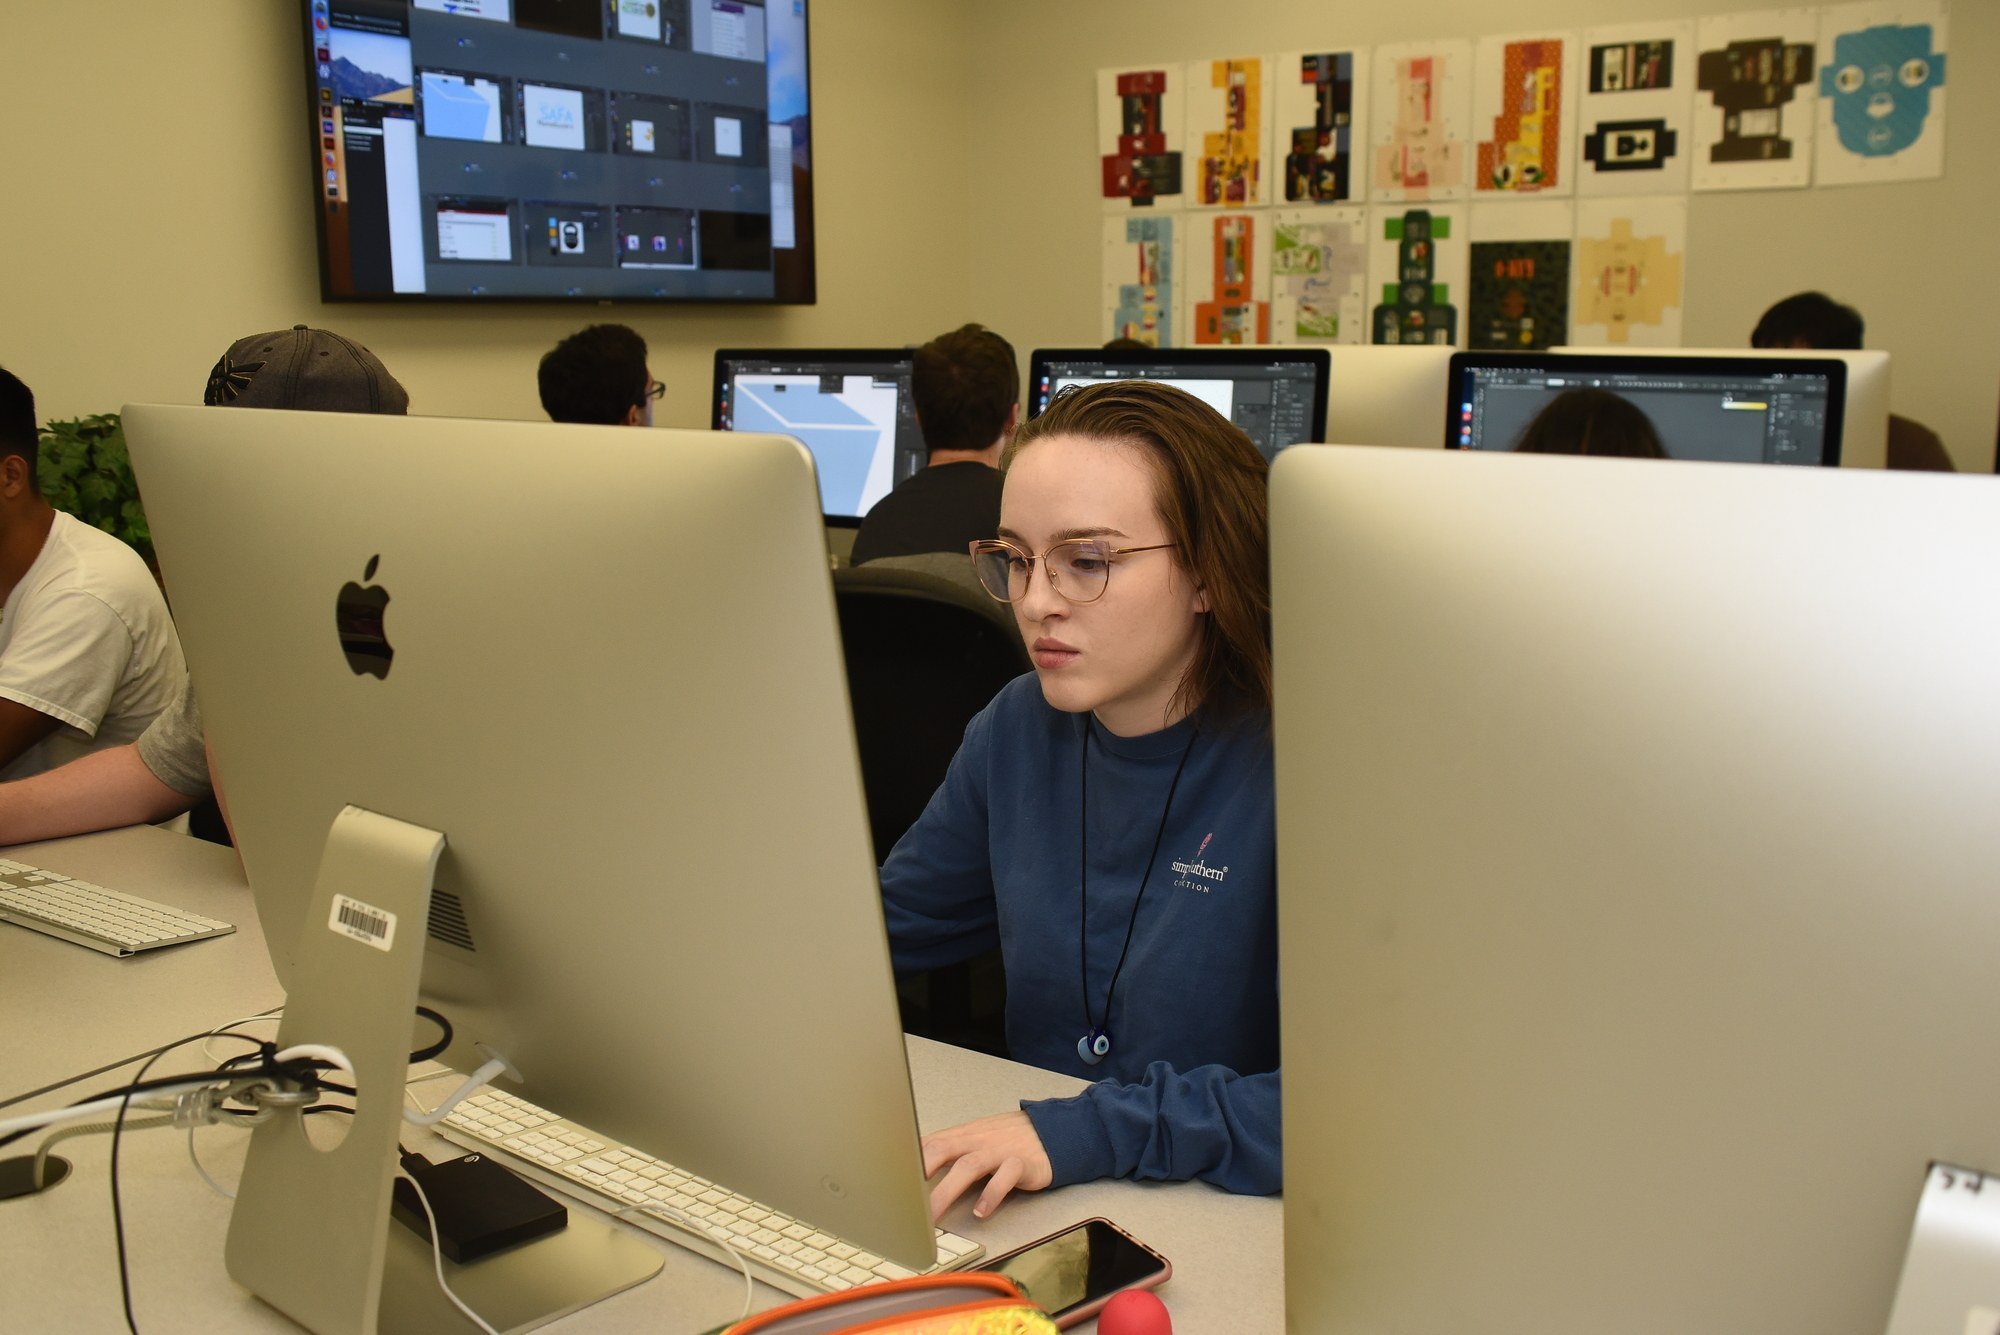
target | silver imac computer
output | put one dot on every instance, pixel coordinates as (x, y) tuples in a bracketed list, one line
[(850, 406), (1388, 394), (1864, 430), (1278, 395), (1640, 923), (1750, 408), (604, 667)]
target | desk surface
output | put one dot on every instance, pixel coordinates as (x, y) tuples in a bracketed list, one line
[(68, 1010)]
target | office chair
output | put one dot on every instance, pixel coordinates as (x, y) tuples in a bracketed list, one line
[(926, 650)]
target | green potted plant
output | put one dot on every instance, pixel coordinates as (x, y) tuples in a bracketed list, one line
[(84, 470)]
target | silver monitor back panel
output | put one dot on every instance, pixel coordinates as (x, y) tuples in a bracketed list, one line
[(1389, 395), (1638, 848), (1864, 429), (617, 689)]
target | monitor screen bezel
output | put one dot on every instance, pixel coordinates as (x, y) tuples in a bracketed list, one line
[(1193, 359), (1457, 385), (805, 281), (720, 382)]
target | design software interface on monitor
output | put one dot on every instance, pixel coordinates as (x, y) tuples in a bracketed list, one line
[(852, 409), (1278, 399), (1734, 410), (556, 148)]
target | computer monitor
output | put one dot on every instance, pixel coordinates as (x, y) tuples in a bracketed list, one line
[(850, 406), (1751, 408), (1277, 395), (1388, 394), (606, 665), (1864, 426), (1638, 895)]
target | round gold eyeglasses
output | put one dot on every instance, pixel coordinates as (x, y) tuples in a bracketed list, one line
[(1078, 568)]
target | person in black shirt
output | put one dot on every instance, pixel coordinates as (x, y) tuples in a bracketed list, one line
[(967, 390)]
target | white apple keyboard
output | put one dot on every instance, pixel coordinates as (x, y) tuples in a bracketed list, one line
[(784, 1252), (90, 915)]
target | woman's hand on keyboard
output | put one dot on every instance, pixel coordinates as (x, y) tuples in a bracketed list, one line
[(1003, 1150)]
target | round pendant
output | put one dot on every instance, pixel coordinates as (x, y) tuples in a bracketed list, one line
[(1093, 1047)]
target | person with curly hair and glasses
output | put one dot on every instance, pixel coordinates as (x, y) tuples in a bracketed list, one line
[(1109, 819), (599, 374)]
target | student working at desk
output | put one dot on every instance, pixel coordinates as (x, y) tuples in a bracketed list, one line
[(1109, 822)]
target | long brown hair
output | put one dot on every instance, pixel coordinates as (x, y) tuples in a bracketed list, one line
[(1211, 494)]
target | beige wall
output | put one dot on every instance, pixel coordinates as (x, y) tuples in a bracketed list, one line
[(155, 208), (1918, 259)]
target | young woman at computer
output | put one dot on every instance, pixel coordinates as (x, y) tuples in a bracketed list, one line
[(1109, 821)]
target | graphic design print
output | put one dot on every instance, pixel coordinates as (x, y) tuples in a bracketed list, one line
[(1233, 312), (1519, 295), (1524, 154), (1142, 168), (1319, 165), (1635, 109), (1422, 104), (1752, 82), (1319, 276), (1229, 170), (1628, 272), (1879, 86), (1416, 308), (1139, 279)]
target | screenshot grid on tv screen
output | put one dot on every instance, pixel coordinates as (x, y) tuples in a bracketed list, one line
[(561, 149)]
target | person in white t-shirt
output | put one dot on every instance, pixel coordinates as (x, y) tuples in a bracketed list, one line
[(165, 772), (88, 654)]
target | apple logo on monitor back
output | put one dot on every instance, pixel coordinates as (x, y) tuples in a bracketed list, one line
[(358, 613)]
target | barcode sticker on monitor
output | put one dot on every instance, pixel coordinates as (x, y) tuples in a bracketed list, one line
[(1951, 1273), (363, 922)]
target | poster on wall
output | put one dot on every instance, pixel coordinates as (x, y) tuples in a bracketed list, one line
[(1518, 292), (1523, 115), (1416, 273), (1228, 278), (1320, 100), (1636, 109), (1140, 293), (1419, 122), (1755, 90), (1629, 271), (1881, 92), (1228, 134), (1139, 136), (1319, 275)]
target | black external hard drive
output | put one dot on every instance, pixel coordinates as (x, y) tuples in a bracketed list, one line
[(480, 1206)]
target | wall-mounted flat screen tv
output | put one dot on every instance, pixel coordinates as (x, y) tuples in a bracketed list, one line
[(552, 150)]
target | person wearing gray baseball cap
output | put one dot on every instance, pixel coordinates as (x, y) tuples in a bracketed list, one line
[(305, 370), (165, 771)]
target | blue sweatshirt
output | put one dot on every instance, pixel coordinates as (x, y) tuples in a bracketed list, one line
[(1190, 1087)]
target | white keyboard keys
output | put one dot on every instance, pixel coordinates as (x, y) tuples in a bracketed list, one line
[(780, 1250), (88, 914)]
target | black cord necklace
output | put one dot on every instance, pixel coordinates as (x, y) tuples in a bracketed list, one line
[(1095, 1045)]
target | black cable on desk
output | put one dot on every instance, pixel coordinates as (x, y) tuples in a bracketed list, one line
[(443, 1040), (303, 1071), (266, 1050), (117, 1207)]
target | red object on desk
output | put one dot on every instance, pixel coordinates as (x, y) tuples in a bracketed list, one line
[(1134, 1312)]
